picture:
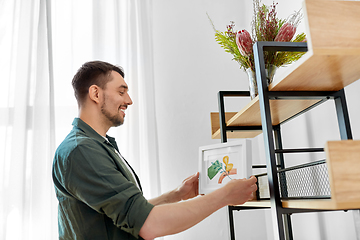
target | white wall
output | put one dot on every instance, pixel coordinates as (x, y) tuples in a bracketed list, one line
[(190, 68)]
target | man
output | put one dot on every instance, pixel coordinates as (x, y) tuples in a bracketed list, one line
[(99, 194)]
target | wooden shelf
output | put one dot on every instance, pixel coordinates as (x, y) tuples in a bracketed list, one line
[(281, 110), (343, 163), (320, 204), (318, 73), (333, 58)]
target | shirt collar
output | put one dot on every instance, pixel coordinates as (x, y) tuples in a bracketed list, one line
[(83, 126)]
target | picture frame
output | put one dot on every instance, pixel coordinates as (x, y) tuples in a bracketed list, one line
[(219, 163)]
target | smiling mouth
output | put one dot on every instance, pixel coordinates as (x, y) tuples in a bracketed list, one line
[(122, 109)]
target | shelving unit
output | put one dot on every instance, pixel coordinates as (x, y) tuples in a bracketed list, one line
[(331, 62)]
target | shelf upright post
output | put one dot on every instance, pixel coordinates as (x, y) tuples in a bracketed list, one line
[(284, 192), (221, 105), (222, 122), (276, 205), (280, 156), (342, 115), (223, 133)]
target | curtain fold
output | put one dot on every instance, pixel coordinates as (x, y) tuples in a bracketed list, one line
[(26, 189), (143, 147)]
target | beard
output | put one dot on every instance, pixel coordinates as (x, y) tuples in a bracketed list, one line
[(115, 119)]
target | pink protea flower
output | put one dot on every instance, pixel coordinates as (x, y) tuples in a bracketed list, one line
[(286, 33), (244, 42)]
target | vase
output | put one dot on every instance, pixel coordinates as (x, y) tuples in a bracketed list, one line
[(269, 71)]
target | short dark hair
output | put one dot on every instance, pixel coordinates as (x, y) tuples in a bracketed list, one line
[(92, 73)]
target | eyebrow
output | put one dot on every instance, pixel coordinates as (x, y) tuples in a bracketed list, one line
[(124, 86)]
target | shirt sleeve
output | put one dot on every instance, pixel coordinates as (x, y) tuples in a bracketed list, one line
[(93, 178)]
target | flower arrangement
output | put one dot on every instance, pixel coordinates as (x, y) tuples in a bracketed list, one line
[(265, 27)]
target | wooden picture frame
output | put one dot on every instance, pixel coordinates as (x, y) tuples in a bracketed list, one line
[(219, 163)]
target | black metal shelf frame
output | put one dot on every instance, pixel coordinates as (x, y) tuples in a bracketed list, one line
[(272, 134)]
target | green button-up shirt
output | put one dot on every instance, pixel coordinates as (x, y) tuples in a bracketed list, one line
[(98, 196)]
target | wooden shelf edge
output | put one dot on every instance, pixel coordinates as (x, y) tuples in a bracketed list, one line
[(237, 134), (259, 203), (281, 110), (229, 117), (316, 204)]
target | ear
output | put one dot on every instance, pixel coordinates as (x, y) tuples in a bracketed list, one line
[(94, 93)]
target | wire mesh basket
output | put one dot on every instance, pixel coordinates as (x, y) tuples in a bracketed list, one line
[(306, 181)]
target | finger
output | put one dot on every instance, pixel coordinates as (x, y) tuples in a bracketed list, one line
[(194, 178), (252, 179), (188, 178), (252, 197)]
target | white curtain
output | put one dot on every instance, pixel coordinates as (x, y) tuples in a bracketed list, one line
[(27, 122), (42, 44)]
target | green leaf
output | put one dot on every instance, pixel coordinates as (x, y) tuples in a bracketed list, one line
[(214, 169)]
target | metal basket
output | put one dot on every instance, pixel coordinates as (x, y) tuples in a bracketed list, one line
[(306, 181)]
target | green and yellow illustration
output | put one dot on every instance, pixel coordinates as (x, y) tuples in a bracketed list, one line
[(225, 169)]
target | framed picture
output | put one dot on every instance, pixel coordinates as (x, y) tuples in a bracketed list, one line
[(219, 163)]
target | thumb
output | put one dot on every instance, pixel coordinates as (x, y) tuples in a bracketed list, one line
[(192, 178)]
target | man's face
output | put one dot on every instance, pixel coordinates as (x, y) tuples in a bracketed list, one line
[(115, 100)]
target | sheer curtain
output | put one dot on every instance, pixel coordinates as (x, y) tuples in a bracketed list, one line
[(27, 122), (41, 47)]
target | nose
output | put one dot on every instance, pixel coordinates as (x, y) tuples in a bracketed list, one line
[(128, 99)]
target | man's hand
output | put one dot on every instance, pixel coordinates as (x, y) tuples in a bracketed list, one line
[(189, 187), (239, 191)]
